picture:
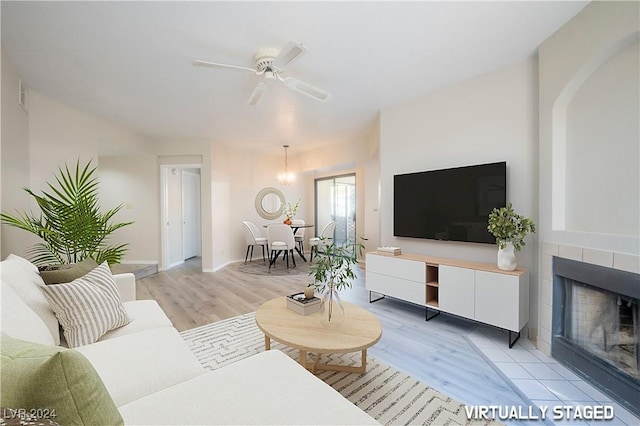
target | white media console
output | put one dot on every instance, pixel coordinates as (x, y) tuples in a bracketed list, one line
[(477, 291)]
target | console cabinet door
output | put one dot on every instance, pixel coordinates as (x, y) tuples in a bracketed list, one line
[(457, 290), (502, 300)]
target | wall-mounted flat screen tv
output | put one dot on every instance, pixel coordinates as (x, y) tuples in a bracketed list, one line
[(449, 204)]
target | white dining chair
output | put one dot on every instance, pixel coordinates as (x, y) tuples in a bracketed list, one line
[(299, 234), (325, 235), (253, 238), (281, 240)]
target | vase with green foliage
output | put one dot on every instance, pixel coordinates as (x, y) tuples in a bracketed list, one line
[(290, 211), (334, 271), (71, 224), (510, 229)]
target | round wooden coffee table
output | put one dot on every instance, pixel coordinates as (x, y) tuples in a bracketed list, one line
[(359, 331)]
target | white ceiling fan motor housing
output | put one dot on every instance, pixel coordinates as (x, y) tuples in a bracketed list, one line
[(264, 58)]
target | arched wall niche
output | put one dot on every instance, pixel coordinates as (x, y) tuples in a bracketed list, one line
[(595, 148)]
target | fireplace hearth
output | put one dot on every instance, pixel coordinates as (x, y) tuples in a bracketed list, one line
[(596, 328)]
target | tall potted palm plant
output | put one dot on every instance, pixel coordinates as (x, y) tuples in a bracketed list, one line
[(70, 225)]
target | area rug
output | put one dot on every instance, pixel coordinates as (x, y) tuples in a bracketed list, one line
[(388, 395), (258, 267)]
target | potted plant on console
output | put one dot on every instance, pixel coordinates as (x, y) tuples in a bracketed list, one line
[(510, 229), (332, 272)]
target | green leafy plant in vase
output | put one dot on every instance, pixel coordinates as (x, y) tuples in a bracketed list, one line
[(334, 271), (71, 224), (510, 229)]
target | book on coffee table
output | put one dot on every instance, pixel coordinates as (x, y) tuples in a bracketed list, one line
[(299, 303)]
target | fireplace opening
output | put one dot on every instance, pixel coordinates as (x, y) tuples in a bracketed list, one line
[(604, 324), (596, 328)]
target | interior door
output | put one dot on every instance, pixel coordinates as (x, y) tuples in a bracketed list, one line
[(336, 200), (190, 214)]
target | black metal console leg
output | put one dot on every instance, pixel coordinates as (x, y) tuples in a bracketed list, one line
[(375, 300), (426, 314), (511, 343)]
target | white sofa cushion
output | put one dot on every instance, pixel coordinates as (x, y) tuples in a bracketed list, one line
[(139, 364), (23, 276), (146, 315), (87, 307), (19, 321), (267, 388), (126, 283)]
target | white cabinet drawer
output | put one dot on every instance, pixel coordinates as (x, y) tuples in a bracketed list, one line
[(405, 269), (410, 291)]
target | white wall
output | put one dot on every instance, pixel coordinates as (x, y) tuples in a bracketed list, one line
[(603, 148), (485, 119), (131, 181), (59, 134), (14, 154)]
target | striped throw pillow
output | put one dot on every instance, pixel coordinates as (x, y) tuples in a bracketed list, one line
[(88, 306)]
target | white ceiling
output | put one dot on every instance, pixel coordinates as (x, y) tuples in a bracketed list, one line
[(131, 62)]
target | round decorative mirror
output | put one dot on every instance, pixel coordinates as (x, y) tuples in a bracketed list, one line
[(270, 203)]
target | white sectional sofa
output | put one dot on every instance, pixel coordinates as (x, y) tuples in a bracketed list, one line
[(152, 376)]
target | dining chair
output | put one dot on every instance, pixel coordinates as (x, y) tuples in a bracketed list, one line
[(321, 240), (253, 238), (299, 234), (281, 240)]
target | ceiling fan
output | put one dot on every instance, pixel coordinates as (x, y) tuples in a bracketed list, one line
[(270, 64)]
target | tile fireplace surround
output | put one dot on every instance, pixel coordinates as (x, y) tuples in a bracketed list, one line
[(549, 250), (622, 261)]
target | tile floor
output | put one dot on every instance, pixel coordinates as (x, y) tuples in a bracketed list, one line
[(541, 379)]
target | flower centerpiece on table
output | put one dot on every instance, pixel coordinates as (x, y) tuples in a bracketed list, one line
[(510, 229), (290, 211)]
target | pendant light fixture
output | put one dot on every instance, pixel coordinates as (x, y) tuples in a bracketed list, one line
[(286, 177)]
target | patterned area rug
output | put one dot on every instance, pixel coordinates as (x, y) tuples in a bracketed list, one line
[(258, 267), (386, 394)]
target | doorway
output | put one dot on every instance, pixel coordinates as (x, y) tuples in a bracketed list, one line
[(191, 235), (181, 236), (335, 199)]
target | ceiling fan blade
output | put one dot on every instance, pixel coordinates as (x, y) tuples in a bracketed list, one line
[(288, 54), (222, 66), (307, 89), (257, 93)]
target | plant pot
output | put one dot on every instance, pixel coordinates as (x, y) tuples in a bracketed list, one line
[(507, 258), (331, 309), (287, 221)]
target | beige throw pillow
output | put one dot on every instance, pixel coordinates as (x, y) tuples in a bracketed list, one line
[(87, 307)]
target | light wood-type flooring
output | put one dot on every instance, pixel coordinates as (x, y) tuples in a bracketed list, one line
[(436, 352)]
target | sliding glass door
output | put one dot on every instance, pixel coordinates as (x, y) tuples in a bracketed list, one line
[(335, 199)]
